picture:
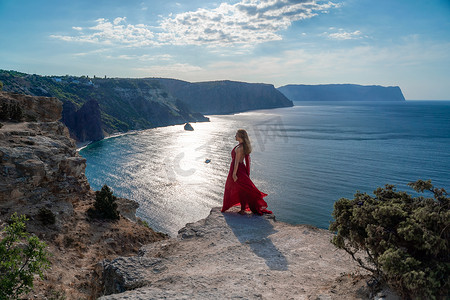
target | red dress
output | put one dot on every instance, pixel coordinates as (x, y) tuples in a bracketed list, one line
[(243, 191)]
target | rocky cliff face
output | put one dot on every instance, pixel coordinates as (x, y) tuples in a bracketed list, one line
[(341, 92), (38, 158), (123, 104), (41, 169), (223, 97), (84, 124)]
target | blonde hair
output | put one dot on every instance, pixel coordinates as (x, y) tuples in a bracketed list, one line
[(246, 141)]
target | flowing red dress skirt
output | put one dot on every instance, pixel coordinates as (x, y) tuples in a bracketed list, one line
[(243, 191)]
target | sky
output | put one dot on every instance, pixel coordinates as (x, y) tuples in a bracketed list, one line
[(402, 43)]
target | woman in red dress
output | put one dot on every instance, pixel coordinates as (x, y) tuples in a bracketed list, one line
[(239, 189)]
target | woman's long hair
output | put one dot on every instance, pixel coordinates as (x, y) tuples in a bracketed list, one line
[(246, 141)]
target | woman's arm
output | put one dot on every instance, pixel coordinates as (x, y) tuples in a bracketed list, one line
[(239, 157)]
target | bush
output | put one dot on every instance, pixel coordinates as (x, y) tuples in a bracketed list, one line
[(105, 206), (16, 113), (21, 257), (404, 239), (11, 112), (4, 111), (46, 216)]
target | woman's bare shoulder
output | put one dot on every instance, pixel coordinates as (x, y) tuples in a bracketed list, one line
[(239, 148)]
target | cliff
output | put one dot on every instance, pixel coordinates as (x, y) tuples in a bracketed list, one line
[(224, 256), (341, 92), (122, 104), (41, 170), (230, 256), (39, 159), (85, 122), (224, 97)]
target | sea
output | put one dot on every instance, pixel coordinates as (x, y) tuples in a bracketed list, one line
[(304, 157)]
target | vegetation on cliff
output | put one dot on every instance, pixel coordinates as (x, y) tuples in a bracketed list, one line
[(22, 256), (405, 239), (105, 205), (224, 97), (124, 104), (11, 112)]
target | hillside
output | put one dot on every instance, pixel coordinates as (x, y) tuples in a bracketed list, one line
[(43, 177), (224, 97), (341, 92), (94, 107)]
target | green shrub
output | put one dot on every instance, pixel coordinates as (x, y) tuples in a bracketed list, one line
[(22, 256), (4, 111), (46, 216), (105, 206), (1, 85), (143, 223), (404, 239), (11, 112), (16, 113)]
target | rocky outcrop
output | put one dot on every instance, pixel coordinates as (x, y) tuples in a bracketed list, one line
[(341, 92), (123, 103), (224, 97), (84, 124), (39, 160), (41, 169), (42, 109), (230, 256)]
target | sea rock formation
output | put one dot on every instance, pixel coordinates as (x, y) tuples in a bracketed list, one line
[(341, 92), (224, 97), (230, 256)]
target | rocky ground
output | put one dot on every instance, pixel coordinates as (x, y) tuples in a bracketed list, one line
[(230, 256), (40, 169), (78, 244)]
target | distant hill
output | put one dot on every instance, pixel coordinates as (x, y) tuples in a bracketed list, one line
[(341, 92), (223, 97), (93, 107)]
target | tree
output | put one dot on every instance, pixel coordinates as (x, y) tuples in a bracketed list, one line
[(16, 113), (404, 239), (4, 111), (105, 205), (1, 85), (21, 257)]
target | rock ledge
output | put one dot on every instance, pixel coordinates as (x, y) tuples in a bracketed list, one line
[(229, 256)]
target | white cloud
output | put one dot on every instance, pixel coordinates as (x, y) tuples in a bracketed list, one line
[(243, 24), (119, 20), (116, 32), (144, 57), (341, 34)]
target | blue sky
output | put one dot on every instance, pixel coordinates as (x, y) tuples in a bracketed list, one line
[(382, 42)]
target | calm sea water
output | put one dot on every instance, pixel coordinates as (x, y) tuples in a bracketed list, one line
[(305, 157)]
